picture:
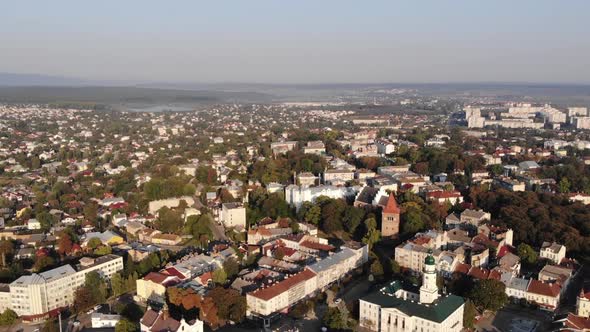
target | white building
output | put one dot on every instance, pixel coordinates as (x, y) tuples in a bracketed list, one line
[(553, 252), (577, 111), (394, 308), (276, 297), (99, 320), (581, 122), (295, 195), (337, 265), (35, 296), (233, 215)]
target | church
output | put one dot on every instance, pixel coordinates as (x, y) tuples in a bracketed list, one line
[(398, 307)]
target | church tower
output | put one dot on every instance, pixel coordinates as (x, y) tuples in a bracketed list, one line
[(390, 218), (429, 290)]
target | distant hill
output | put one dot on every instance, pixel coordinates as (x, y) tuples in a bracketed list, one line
[(127, 96), (10, 79)]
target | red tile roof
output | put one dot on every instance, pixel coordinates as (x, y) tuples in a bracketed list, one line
[(174, 272), (495, 274), (156, 277), (283, 286), (544, 288), (577, 322), (479, 273), (463, 268)]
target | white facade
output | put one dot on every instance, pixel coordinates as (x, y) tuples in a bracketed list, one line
[(296, 195), (233, 215), (99, 320), (395, 309), (37, 294), (553, 252)]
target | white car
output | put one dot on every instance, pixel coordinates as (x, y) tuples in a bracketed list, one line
[(337, 301)]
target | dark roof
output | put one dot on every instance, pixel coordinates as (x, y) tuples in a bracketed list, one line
[(367, 195), (435, 312)]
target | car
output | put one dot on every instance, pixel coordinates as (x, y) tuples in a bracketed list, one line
[(89, 312), (337, 301), (76, 323), (97, 307)]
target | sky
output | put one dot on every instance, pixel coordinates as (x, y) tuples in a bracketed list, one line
[(319, 41)]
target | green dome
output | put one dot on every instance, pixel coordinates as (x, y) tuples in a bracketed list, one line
[(429, 260)]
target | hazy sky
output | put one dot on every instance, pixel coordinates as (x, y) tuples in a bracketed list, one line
[(299, 41)]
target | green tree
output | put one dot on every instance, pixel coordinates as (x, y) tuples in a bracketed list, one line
[(334, 319), (125, 325), (377, 268), (117, 284), (103, 250), (94, 243), (352, 218), (564, 185), (469, 314), (8, 317), (527, 254), (488, 294), (310, 213), (372, 234), (97, 287), (231, 267), (219, 276)]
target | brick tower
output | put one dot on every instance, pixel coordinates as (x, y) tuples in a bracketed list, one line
[(390, 218)]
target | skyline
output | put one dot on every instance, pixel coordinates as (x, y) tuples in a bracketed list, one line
[(304, 43)]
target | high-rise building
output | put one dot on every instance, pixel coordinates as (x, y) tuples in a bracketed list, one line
[(390, 218)]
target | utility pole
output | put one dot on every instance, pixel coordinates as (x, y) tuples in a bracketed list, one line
[(59, 320)]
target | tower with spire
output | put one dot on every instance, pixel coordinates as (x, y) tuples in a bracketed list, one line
[(390, 218), (429, 289)]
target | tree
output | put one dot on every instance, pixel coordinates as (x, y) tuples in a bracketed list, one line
[(125, 325), (372, 234), (310, 213), (564, 185), (42, 262), (83, 299), (469, 314), (231, 267), (117, 284), (97, 287), (352, 218), (169, 220), (8, 317), (94, 243), (219, 276), (488, 294), (527, 254), (103, 250), (230, 304), (334, 319), (45, 219), (64, 244), (377, 268), (6, 248)]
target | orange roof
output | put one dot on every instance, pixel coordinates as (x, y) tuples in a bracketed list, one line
[(391, 206), (478, 273), (577, 322), (283, 286), (463, 268), (156, 277), (544, 288)]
